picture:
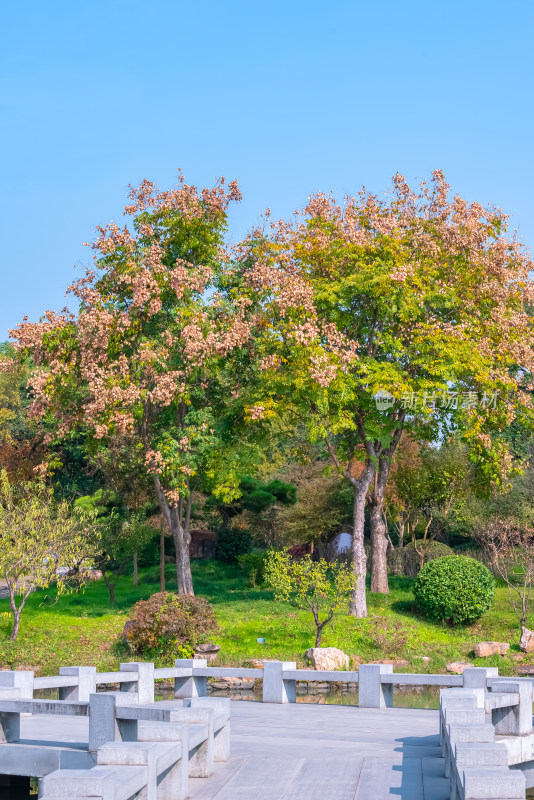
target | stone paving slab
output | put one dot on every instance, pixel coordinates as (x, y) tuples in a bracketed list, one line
[(326, 752), (317, 752)]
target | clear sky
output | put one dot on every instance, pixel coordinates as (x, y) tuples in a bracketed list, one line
[(288, 97)]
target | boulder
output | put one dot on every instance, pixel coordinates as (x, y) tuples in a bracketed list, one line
[(326, 658), (457, 667), (395, 662), (526, 643), (484, 649), (207, 651)]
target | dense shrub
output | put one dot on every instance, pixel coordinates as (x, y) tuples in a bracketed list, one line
[(454, 589), (231, 544), (407, 561), (253, 565), (169, 625)]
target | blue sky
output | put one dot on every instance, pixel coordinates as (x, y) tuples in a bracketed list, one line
[(288, 97)]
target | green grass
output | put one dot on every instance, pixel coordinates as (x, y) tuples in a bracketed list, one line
[(82, 629)]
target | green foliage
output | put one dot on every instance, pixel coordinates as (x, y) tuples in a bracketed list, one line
[(41, 541), (170, 625), (232, 543), (323, 507), (319, 586), (78, 628), (406, 561), (255, 496), (254, 565), (122, 533), (454, 589)]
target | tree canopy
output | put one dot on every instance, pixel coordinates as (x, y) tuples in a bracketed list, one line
[(383, 315)]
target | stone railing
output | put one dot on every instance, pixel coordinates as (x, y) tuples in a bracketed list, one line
[(486, 737), (123, 759), (375, 682)]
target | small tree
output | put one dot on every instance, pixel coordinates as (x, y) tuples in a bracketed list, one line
[(509, 551), (37, 536), (122, 533), (315, 586)]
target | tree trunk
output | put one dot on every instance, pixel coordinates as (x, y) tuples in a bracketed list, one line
[(401, 534), (16, 624), (358, 602), (161, 558), (318, 636), (109, 584), (135, 570), (181, 537), (379, 542)]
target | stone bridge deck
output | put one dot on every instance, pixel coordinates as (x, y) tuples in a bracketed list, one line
[(328, 752), (315, 752)]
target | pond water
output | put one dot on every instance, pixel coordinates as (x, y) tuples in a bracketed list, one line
[(427, 697), (403, 697)]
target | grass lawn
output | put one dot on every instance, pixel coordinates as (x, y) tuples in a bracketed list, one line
[(82, 629)]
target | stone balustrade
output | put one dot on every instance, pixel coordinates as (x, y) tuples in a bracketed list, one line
[(486, 737), (485, 723)]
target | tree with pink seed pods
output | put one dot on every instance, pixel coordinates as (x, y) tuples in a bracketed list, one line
[(145, 360)]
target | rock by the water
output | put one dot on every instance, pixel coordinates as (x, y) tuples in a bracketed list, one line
[(526, 643), (327, 658), (457, 667), (484, 649), (207, 651)]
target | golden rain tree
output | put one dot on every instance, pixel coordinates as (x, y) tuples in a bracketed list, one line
[(410, 312), (145, 359)]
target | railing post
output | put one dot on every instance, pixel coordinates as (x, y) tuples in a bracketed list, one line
[(477, 677), (276, 689), (102, 720), (372, 693), (143, 684), (514, 720), (85, 687), (18, 679), (104, 725), (192, 685)]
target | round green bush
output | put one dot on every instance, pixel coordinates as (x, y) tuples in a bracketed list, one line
[(454, 589), (232, 543)]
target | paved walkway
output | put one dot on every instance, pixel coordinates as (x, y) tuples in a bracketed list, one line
[(303, 752), (327, 752)]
